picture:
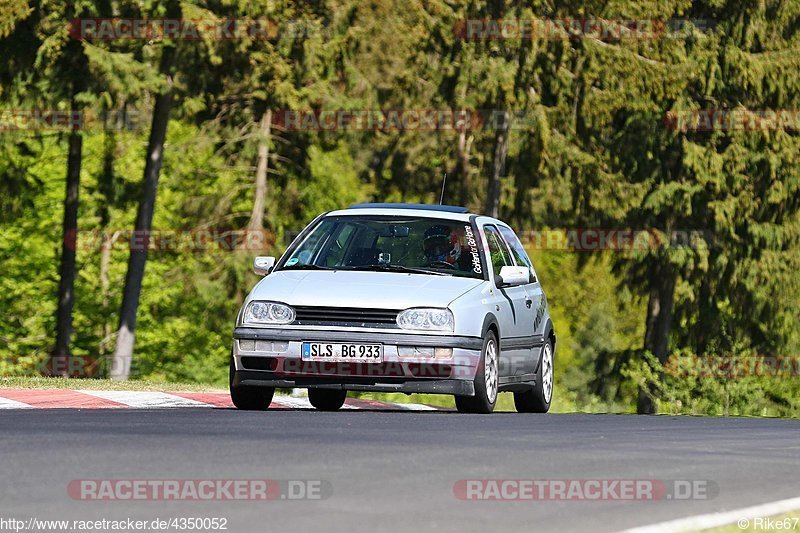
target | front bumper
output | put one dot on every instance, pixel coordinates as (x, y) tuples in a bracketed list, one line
[(272, 358)]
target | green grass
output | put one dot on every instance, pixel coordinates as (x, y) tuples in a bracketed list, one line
[(792, 520), (14, 382)]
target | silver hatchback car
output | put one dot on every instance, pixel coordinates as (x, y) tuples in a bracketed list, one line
[(397, 298)]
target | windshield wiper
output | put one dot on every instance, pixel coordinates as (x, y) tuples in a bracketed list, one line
[(305, 267), (397, 268)]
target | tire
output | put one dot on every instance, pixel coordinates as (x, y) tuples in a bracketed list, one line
[(249, 398), (327, 399), (537, 399), (486, 388)]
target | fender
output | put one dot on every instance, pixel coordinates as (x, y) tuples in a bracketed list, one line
[(548, 332), (490, 320)]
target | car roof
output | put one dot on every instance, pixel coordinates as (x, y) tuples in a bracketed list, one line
[(446, 212), (449, 212), (461, 214), (417, 207)]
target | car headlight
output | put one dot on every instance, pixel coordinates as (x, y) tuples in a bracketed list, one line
[(268, 313), (426, 319)]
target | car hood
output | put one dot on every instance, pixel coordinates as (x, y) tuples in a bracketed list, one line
[(379, 290)]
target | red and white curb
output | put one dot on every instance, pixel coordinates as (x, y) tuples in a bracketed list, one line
[(105, 399)]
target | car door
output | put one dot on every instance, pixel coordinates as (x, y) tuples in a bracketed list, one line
[(535, 300), (516, 321)]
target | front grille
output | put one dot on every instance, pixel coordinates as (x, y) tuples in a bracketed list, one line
[(345, 316)]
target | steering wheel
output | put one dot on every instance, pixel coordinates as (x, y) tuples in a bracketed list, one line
[(444, 264)]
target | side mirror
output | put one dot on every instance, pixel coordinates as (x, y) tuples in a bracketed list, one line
[(511, 276), (263, 265)]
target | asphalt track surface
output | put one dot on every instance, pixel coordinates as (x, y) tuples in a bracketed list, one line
[(390, 471)]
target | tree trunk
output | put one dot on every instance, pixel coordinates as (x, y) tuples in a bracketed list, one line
[(462, 168), (257, 216), (106, 187), (66, 287), (498, 168), (123, 352), (658, 325), (105, 263)]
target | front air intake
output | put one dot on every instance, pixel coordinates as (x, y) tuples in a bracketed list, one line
[(345, 316)]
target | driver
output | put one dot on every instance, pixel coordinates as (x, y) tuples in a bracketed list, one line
[(442, 245)]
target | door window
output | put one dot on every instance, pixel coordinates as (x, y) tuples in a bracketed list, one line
[(498, 252), (518, 251)]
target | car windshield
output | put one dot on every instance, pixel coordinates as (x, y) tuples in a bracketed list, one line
[(392, 244)]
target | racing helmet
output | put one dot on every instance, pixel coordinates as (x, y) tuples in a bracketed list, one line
[(441, 245)]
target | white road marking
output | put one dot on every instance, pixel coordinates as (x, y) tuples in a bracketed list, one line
[(706, 521), (5, 403), (145, 399), (414, 407), (300, 402), (292, 402)]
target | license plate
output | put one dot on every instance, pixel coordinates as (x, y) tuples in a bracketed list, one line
[(338, 352)]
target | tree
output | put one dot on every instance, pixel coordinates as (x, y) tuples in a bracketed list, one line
[(13, 12), (63, 71), (257, 216), (126, 335), (640, 173)]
